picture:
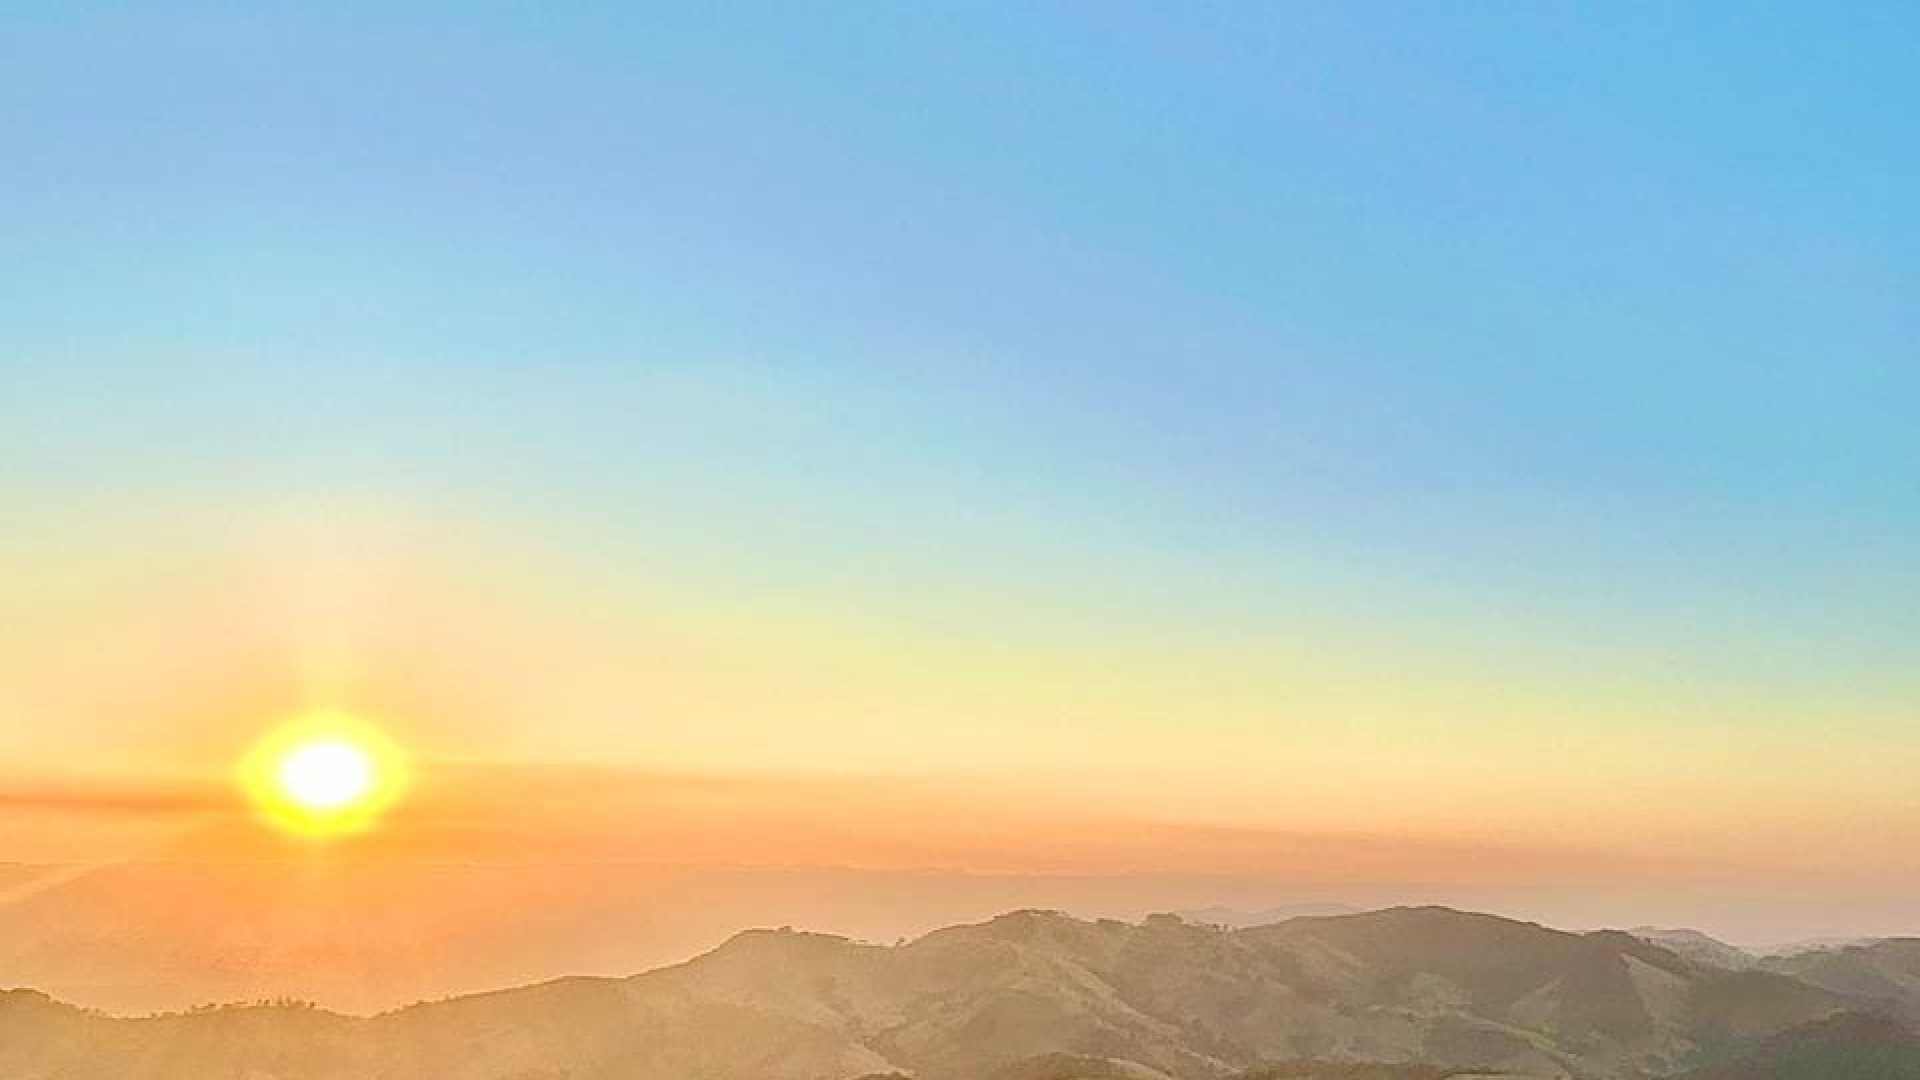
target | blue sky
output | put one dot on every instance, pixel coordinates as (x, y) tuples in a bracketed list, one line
[(1576, 341)]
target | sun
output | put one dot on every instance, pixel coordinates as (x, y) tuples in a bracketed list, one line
[(326, 773)]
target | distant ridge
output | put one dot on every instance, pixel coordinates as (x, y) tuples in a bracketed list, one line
[(1698, 946), (1886, 971), (1219, 915)]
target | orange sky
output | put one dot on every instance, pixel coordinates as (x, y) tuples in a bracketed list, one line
[(640, 726)]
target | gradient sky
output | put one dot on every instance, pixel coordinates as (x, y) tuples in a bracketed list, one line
[(1488, 435)]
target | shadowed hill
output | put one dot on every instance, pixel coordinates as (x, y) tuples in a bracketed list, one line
[(1847, 1046)]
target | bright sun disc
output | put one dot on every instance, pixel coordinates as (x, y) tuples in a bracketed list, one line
[(324, 774)]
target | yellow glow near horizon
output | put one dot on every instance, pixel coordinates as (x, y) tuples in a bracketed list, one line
[(324, 774)]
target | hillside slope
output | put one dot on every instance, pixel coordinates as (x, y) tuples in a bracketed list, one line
[(1846, 1046)]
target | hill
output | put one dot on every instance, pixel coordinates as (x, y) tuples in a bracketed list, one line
[(1695, 945), (1886, 971), (1846, 1046), (1162, 998)]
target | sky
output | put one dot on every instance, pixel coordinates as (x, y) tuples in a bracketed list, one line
[(1384, 442)]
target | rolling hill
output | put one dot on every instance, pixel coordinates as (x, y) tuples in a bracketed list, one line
[(1846, 1046), (1886, 972), (1403, 989)]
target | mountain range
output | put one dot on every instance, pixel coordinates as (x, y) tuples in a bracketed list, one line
[(361, 935), (1396, 994)]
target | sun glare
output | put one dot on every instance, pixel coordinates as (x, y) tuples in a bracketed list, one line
[(324, 774)]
